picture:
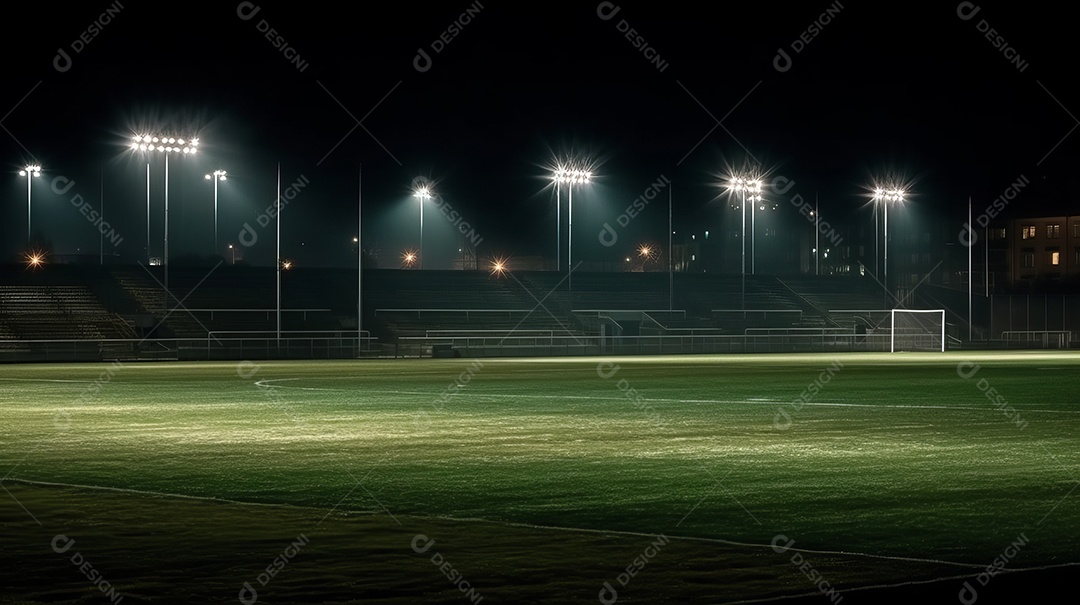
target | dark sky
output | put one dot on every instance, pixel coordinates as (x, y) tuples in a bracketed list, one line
[(906, 89)]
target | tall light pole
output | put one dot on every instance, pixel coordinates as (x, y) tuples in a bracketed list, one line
[(884, 196), (817, 236), (101, 234), (165, 145), (360, 259), (759, 202), (148, 211), (754, 201), (558, 225), (217, 175), (277, 253), (423, 194), (30, 172), (571, 177)]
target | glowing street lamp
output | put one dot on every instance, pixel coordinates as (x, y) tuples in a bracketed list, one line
[(647, 253), (35, 259), (408, 258), (423, 194), (498, 267), (232, 254), (217, 175), (31, 171)]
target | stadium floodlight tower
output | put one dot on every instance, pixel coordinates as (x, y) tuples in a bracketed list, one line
[(753, 200), (30, 172), (570, 177), (885, 196), (217, 175), (151, 144), (422, 193), (743, 185)]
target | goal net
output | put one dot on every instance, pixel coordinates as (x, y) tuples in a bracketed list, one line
[(917, 330)]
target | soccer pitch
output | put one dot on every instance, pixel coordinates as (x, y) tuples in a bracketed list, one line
[(716, 479)]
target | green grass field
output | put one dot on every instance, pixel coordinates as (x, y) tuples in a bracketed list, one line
[(541, 479)]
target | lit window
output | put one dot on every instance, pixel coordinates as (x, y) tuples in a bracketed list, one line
[(1027, 232), (1055, 258), (1053, 231)]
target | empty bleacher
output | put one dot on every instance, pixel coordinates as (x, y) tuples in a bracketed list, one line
[(230, 301), (57, 312)]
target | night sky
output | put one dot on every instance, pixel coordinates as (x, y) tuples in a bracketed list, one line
[(913, 91)]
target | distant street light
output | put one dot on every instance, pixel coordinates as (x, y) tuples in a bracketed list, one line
[(217, 175), (423, 194), (498, 267), (232, 254), (648, 253), (35, 259), (32, 170)]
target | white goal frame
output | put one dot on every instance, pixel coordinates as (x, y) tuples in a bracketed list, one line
[(892, 326)]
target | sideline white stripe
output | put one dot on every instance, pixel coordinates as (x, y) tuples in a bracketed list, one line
[(500, 523), (373, 512)]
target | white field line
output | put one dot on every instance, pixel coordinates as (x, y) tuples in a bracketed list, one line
[(845, 553)]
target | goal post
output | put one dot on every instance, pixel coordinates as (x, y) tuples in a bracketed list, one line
[(917, 330)]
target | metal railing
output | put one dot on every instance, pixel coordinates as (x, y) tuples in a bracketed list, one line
[(1046, 339), (341, 346), (666, 344)]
